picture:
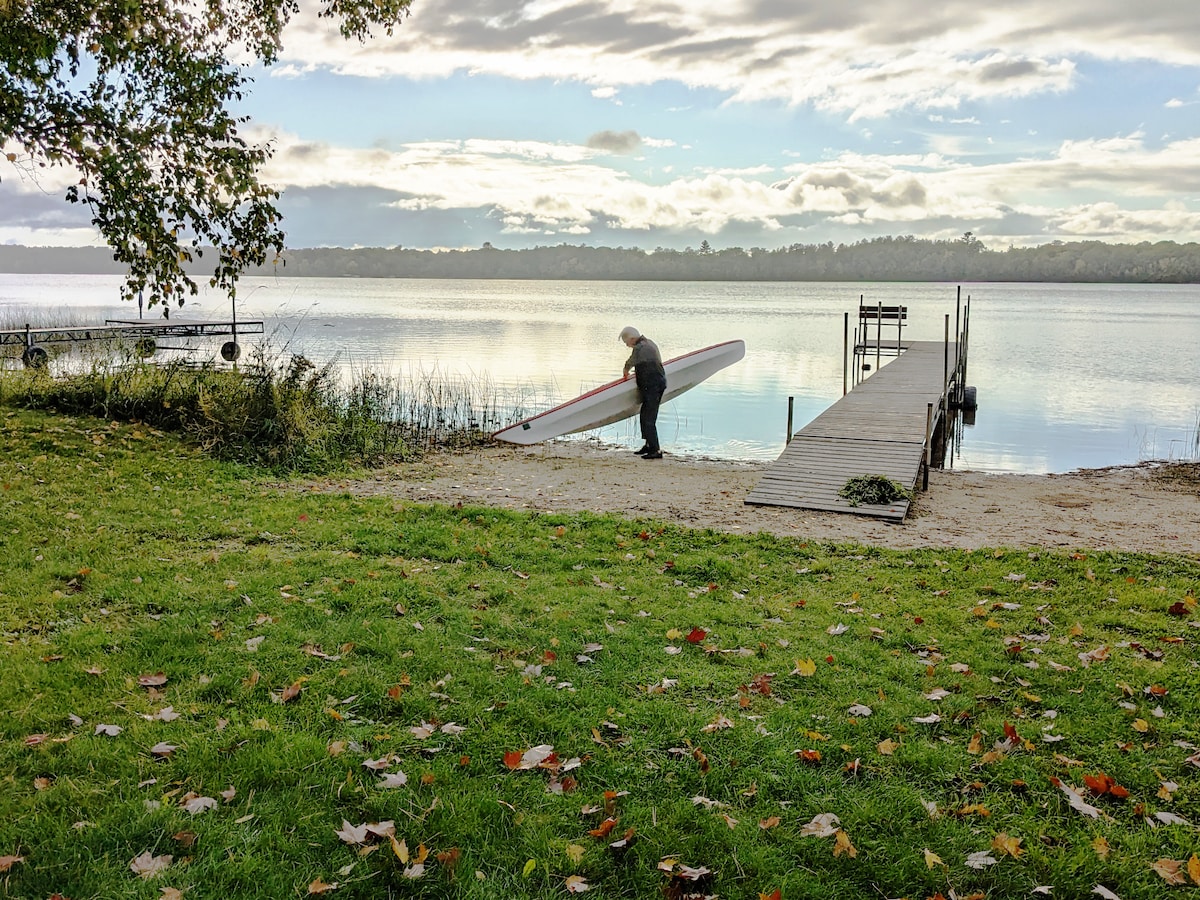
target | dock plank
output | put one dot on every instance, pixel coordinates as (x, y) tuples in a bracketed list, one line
[(878, 428)]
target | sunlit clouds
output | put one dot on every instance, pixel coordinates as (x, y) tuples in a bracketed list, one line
[(744, 123)]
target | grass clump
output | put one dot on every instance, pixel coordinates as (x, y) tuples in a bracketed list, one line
[(216, 684)]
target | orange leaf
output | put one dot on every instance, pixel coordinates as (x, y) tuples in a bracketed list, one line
[(512, 759), (604, 828), (318, 886), (772, 822), (774, 895)]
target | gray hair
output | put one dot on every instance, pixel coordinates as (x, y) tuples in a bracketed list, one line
[(629, 332)]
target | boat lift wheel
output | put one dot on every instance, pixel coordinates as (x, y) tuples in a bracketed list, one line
[(35, 357), (145, 347), (230, 351)]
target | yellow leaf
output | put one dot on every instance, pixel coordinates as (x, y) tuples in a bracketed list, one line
[(1141, 726), (674, 634), (1075, 630), (575, 852), (841, 844), (932, 859), (1193, 868), (805, 668), (1100, 845), (975, 744), (887, 748), (399, 848), (529, 867), (1009, 845)]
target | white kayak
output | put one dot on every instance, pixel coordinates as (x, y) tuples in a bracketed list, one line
[(619, 399)]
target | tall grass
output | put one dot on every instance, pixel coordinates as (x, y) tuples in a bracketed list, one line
[(277, 410)]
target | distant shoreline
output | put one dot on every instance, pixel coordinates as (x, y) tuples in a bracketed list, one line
[(883, 260)]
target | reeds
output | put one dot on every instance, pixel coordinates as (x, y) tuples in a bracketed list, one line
[(276, 409)]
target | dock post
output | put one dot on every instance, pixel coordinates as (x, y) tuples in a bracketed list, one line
[(878, 332), (845, 352), (791, 400), (958, 379), (928, 446), (946, 356)]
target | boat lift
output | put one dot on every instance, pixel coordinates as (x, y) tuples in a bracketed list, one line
[(143, 335)]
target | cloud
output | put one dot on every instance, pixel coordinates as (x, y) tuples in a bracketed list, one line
[(622, 142), (857, 60)]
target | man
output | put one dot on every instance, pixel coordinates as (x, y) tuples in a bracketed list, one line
[(646, 363)]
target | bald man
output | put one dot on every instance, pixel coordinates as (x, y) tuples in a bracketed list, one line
[(646, 363)]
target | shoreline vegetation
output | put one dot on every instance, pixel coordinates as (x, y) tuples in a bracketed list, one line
[(223, 683), (904, 258)]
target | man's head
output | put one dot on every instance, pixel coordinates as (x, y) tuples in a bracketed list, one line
[(629, 335)]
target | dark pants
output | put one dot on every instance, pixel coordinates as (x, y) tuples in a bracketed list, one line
[(651, 401)]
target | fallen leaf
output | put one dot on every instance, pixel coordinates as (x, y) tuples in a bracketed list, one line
[(156, 680), (7, 862), (1010, 846), (1170, 870), (822, 825), (1076, 801), (575, 852), (575, 884), (980, 860), (932, 859), (352, 834), (842, 845), (147, 865), (319, 886), (805, 668)]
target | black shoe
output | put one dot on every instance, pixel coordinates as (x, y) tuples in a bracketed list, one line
[(645, 449), (656, 454)]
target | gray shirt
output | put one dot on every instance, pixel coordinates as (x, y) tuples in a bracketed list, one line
[(646, 362)]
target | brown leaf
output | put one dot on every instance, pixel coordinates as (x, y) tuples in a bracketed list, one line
[(1170, 871), (771, 822), (319, 886), (156, 680), (7, 862), (292, 691)]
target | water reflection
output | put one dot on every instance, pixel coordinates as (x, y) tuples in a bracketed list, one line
[(1067, 376)]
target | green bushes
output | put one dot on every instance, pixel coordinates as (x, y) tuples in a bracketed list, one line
[(284, 413)]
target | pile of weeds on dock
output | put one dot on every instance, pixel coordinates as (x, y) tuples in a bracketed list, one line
[(213, 686)]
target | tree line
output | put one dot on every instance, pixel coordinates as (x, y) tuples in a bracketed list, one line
[(905, 258)]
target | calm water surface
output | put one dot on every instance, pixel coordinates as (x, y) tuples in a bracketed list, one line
[(1067, 376)]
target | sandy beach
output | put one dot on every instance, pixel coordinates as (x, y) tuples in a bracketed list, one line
[(1148, 507)]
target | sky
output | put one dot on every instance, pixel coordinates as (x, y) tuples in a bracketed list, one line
[(743, 123)]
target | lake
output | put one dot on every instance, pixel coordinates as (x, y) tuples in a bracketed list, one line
[(1067, 375)]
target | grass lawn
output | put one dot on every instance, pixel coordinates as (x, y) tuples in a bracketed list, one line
[(216, 685)]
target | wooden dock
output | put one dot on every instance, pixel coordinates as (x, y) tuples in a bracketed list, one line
[(878, 428)]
